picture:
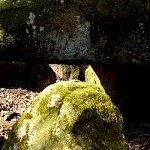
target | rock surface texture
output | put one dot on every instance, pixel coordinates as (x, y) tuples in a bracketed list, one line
[(69, 115), (97, 30)]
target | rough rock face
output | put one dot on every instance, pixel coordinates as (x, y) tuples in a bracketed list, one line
[(98, 30), (69, 72), (69, 115)]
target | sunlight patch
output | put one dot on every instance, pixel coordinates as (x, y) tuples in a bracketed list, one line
[(53, 100), (22, 129)]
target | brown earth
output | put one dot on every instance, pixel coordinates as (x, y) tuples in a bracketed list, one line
[(13, 102)]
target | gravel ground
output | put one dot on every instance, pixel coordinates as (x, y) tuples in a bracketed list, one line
[(14, 101)]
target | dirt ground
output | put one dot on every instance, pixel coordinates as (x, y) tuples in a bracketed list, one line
[(14, 101)]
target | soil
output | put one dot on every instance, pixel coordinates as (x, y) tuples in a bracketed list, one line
[(15, 100)]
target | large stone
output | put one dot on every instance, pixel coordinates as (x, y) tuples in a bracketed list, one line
[(97, 30), (69, 115)]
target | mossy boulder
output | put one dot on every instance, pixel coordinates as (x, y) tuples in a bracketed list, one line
[(69, 115)]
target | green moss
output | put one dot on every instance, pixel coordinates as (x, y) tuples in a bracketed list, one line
[(70, 115)]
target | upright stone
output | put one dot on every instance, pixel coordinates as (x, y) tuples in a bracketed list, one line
[(91, 77)]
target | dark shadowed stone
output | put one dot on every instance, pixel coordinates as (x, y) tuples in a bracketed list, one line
[(98, 30)]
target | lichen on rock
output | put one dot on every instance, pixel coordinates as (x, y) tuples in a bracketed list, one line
[(91, 77), (69, 115)]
